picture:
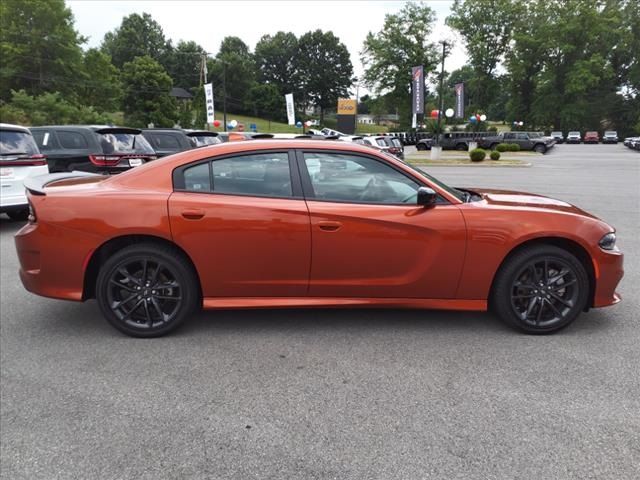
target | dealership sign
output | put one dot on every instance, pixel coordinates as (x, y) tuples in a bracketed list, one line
[(347, 106), (291, 114), (417, 86), (459, 88), (208, 94)]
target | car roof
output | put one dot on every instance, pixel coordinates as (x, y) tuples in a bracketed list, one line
[(14, 128)]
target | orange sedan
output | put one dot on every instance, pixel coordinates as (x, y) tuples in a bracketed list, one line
[(302, 223)]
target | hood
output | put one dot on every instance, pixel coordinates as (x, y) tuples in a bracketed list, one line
[(510, 198)]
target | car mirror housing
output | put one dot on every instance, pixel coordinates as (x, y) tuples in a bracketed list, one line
[(427, 197)]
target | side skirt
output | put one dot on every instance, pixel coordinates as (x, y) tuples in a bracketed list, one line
[(339, 302)]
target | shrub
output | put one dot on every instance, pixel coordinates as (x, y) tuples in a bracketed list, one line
[(514, 147), (495, 155), (492, 128), (477, 155), (502, 147)]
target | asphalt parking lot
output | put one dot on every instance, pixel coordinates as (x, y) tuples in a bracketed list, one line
[(336, 394)]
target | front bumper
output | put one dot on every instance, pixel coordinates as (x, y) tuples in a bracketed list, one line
[(609, 270)]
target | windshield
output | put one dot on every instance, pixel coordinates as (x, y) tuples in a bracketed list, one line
[(453, 191), (574, 133), (17, 143), (204, 140), (381, 142), (124, 143), (611, 133), (556, 134), (396, 142)]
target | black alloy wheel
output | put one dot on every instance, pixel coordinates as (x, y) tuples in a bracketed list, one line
[(146, 290), (541, 289)]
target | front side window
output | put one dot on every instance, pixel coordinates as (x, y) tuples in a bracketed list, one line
[(352, 178), (166, 141), (260, 174)]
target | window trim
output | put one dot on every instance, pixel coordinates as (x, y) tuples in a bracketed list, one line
[(294, 174), (309, 192)]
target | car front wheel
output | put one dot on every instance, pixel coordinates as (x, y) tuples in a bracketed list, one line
[(147, 290), (421, 146), (540, 148), (540, 289)]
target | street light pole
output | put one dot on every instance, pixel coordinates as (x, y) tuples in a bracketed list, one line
[(224, 93), (441, 102)]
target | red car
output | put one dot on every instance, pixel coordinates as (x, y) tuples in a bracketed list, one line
[(291, 223), (591, 137)]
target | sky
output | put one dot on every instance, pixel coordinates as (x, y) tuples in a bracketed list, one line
[(208, 22)]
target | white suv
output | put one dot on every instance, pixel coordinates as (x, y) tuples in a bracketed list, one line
[(19, 159)]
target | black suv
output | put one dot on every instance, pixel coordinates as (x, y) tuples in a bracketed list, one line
[(98, 149), (167, 141)]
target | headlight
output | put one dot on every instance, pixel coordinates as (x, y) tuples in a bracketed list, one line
[(608, 242)]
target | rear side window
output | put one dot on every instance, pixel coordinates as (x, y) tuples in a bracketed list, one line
[(17, 143), (166, 142), (197, 178), (46, 140), (262, 174), (72, 140)]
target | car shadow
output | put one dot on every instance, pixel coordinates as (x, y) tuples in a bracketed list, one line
[(8, 225)]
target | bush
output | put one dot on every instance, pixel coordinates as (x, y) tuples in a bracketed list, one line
[(477, 155), (495, 155), (514, 147), (502, 147), (492, 128)]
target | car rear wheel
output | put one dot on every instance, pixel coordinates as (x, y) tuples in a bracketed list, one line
[(19, 215), (540, 148), (147, 290), (462, 146), (421, 146), (540, 289)]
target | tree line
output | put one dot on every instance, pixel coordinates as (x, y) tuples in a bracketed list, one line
[(553, 64)]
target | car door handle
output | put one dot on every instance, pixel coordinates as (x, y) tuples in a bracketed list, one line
[(193, 214), (329, 226)]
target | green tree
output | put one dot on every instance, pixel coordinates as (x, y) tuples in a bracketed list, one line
[(267, 101), (402, 43), (275, 60), (137, 36), (233, 67), (146, 88), (486, 27), (47, 109), (324, 69), (183, 64), (100, 87), (39, 47)]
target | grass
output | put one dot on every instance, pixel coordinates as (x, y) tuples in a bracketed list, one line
[(266, 126), (457, 158)]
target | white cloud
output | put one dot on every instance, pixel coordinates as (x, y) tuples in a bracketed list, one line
[(207, 23)]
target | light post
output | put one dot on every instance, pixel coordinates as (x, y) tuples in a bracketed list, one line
[(441, 102)]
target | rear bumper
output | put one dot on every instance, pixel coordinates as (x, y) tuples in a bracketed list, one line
[(55, 274), (13, 202)]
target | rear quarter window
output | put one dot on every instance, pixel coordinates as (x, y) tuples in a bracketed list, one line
[(72, 140)]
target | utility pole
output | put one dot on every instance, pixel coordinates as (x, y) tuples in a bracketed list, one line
[(224, 93), (441, 102)]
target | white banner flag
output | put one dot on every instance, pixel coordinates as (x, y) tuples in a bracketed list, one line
[(208, 93), (291, 114)]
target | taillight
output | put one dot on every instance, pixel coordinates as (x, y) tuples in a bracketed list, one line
[(32, 161), (32, 213), (105, 160)]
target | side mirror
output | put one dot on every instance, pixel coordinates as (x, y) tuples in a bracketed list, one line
[(427, 197)]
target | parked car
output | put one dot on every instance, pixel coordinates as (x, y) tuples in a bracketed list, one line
[(527, 141), (558, 137), (632, 142), (167, 141), (395, 146), (378, 142), (591, 137), (225, 227), (425, 144), (610, 136), (101, 149), (574, 137), (19, 159)]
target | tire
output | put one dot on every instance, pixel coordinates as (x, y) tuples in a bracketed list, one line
[(125, 293), (21, 215), (461, 146), (522, 302), (420, 146), (494, 146), (540, 148)]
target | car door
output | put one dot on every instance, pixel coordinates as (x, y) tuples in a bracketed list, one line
[(244, 222), (523, 140), (369, 238)]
